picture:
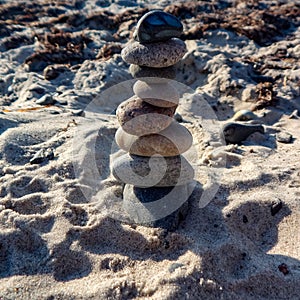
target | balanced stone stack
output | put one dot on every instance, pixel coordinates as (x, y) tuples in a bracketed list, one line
[(157, 177)]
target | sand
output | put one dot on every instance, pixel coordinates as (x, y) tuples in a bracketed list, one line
[(63, 232)]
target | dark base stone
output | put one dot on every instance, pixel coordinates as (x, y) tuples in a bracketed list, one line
[(163, 207)]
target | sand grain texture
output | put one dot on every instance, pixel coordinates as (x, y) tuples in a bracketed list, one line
[(56, 243)]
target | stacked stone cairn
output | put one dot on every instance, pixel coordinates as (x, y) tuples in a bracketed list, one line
[(157, 177)]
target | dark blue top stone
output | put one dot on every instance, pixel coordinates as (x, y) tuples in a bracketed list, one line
[(157, 26)]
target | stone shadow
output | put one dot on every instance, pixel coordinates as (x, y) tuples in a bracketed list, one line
[(233, 243), (109, 236), (67, 263), (22, 252)]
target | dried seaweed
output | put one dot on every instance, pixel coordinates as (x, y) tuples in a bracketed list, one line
[(39, 60), (108, 50), (58, 48), (64, 40), (15, 41), (262, 25), (266, 96), (261, 22)]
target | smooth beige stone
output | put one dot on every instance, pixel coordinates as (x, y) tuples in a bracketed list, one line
[(173, 140), (159, 94), (138, 117)]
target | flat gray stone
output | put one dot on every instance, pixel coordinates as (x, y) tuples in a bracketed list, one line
[(155, 55), (137, 71), (144, 171)]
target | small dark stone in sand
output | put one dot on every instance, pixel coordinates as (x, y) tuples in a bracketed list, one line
[(45, 100), (276, 207), (41, 156), (283, 268), (235, 133), (78, 112), (178, 118), (54, 112), (245, 219), (62, 101), (284, 137)]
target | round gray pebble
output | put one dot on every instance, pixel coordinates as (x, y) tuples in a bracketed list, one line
[(284, 137), (155, 55), (137, 71), (148, 171), (235, 133)]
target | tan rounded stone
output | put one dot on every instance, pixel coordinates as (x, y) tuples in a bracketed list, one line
[(155, 55), (138, 117), (159, 94), (174, 140)]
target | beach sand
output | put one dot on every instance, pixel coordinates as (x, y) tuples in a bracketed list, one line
[(63, 233)]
